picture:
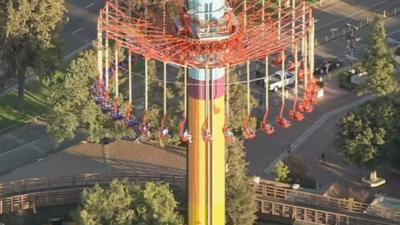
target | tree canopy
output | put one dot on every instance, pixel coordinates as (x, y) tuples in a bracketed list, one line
[(123, 203), (238, 104), (379, 63), (240, 196), (175, 102), (281, 172), (74, 106), (368, 136), (30, 37)]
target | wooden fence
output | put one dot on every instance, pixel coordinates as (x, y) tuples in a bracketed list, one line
[(272, 198)]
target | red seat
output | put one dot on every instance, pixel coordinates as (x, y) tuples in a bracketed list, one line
[(283, 122), (296, 115), (249, 133), (227, 134), (267, 128)]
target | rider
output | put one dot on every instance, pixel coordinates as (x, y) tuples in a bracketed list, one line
[(164, 132), (187, 136), (207, 135)]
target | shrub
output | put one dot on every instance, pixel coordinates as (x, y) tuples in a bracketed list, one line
[(345, 81)]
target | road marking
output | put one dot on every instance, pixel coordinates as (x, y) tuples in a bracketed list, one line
[(394, 32), (21, 147), (77, 30), (76, 51), (90, 5), (317, 124), (392, 41)]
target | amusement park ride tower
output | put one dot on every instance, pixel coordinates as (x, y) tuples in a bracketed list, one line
[(207, 38)]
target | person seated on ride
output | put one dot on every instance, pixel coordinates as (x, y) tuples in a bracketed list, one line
[(266, 126), (249, 132), (106, 105), (207, 136), (164, 131), (144, 129), (116, 114), (228, 132), (187, 136), (130, 121)]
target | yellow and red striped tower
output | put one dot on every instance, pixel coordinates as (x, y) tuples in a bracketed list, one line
[(206, 173)]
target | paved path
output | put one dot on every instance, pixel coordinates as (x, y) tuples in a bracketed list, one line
[(315, 126)]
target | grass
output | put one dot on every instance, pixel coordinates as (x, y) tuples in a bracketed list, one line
[(35, 104)]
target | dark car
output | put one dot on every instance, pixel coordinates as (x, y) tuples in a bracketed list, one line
[(327, 66)]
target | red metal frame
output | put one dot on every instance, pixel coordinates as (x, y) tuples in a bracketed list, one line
[(149, 37)]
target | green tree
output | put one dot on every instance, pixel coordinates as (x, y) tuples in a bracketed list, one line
[(30, 38), (238, 104), (123, 203), (281, 172), (74, 106), (175, 103), (240, 196), (378, 62), (368, 136)]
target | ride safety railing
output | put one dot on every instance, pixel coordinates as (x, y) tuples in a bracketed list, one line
[(295, 212), (63, 182), (278, 191), (34, 193)]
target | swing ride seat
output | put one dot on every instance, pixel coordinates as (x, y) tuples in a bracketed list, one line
[(296, 115), (164, 134), (248, 133), (117, 115), (184, 134), (283, 122), (144, 129), (267, 128), (306, 106), (206, 135), (106, 106), (228, 134), (186, 137), (130, 121)]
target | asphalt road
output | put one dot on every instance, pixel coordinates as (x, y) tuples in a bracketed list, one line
[(33, 142), (81, 27)]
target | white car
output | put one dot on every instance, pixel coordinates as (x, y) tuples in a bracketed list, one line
[(275, 82)]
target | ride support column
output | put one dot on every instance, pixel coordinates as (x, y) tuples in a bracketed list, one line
[(206, 160)]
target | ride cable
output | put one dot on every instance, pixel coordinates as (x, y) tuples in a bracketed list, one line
[(144, 126), (296, 115), (206, 133), (228, 134), (164, 132), (265, 126), (281, 120), (248, 132), (185, 135), (129, 119)]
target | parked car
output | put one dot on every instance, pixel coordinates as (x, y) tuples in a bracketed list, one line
[(327, 66), (275, 81)]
